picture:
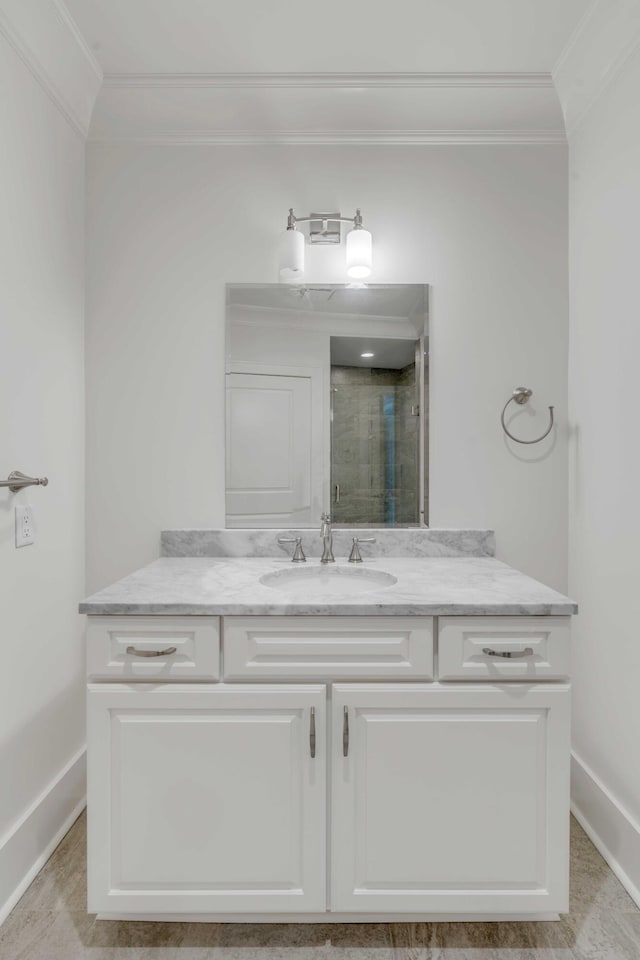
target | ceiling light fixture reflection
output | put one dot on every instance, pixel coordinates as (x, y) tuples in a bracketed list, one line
[(365, 356)]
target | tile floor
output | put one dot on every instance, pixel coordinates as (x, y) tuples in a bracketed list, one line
[(50, 923)]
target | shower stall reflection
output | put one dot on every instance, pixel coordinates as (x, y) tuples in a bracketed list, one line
[(374, 432)]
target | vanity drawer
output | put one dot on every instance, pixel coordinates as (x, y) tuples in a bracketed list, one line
[(331, 648), (196, 641), (462, 642)]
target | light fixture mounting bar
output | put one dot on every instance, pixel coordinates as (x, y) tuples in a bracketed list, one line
[(319, 229)]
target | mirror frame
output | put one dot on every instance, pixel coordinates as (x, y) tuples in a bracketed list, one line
[(423, 395)]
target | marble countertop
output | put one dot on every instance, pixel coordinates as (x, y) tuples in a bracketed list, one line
[(430, 586)]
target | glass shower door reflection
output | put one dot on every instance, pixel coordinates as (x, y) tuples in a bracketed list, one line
[(374, 445)]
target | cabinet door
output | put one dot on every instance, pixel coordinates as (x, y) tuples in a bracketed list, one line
[(206, 799), (450, 799)]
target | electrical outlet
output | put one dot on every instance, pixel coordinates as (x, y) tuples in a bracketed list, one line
[(25, 529)]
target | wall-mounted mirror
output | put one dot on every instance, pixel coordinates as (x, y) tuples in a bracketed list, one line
[(327, 405)]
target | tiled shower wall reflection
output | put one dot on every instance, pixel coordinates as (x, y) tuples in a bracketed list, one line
[(374, 446)]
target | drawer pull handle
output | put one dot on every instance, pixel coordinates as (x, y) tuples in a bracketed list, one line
[(312, 733), (508, 654), (345, 733), (151, 653)]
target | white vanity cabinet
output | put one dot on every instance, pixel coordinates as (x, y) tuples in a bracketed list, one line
[(450, 799), (206, 798), (329, 789), (303, 648)]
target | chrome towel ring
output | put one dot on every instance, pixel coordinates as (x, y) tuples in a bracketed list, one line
[(522, 395)]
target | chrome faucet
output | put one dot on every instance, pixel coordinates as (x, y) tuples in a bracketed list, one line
[(326, 536)]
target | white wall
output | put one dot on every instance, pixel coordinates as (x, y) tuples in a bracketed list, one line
[(260, 337), (605, 466), (41, 432), (169, 225)]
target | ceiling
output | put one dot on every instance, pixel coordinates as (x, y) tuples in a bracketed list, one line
[(384, 318), (340, 71), (335, 36), (388, 354), (392, 301)]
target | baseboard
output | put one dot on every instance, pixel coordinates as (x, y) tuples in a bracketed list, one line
[(328, 917), (30, 843), (25, 850), (610, 828)]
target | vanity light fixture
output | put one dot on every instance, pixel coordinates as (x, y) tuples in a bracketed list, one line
[(291, 253)]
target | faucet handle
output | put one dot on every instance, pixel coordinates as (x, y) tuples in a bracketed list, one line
[(354, 556), (298, 553)]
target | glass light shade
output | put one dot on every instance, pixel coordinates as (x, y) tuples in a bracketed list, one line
[(291, 257), (359, 253)]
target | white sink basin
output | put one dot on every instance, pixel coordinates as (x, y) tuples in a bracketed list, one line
[(328, 581)]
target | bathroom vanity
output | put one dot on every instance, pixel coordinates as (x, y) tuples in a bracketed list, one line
[(271, 741)]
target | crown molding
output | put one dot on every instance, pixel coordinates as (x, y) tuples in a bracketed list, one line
[(257, 315), (574, 39), (324, 80), (340, 138), (349, 324), (74, 30), (604, 40), (47, 40), (180, 109)]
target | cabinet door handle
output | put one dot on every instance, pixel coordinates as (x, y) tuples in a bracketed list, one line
[(508, 654), (345, 733), (312, 733), (151, 653)]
